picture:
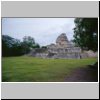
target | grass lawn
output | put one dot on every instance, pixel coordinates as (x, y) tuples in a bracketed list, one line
[(30, 69)]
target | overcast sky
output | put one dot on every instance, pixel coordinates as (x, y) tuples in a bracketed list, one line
[(43, 30)]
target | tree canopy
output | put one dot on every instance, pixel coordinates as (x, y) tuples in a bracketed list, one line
[(14, 47), (86, 33), (10, 46)]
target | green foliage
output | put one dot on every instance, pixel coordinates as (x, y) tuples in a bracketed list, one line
[(28, 44), (45, 47), (28, 41), (86, 33), (10, 46), (36, 45), (13, 47), (29, 69)]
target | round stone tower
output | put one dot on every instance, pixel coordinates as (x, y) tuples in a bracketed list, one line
[(62, 41)]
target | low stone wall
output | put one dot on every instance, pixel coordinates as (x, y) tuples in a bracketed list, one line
[(62, 49), (42, 55), (68, 53)]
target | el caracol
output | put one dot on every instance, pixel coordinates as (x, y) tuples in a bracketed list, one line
[(63, 48)]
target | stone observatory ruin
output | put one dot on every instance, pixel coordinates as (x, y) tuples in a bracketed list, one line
[(62, 49)]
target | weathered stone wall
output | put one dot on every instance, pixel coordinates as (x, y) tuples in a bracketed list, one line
[(65, 50), (62, 49), (67, 55), (61, 53), (57, 53)]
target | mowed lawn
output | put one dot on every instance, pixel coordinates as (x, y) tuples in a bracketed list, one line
[(30, 69)]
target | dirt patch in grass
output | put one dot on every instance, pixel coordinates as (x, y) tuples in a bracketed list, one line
[(86, 74)]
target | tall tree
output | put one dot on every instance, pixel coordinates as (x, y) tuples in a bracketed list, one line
[(86, 33), (10, 46), (29, 40), (13, 47), (28, 44)]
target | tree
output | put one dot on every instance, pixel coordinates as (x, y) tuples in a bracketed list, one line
[(10, 46), (28, 44), (13, 47), (29, 40), (6, 44), (36, 45), (86, 33), (45, 47)]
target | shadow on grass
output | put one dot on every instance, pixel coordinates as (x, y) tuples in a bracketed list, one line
[(87, 74)]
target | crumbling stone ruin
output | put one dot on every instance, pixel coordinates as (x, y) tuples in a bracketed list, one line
[(62, 49)]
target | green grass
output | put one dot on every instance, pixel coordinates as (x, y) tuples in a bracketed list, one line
[(30, 69)]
